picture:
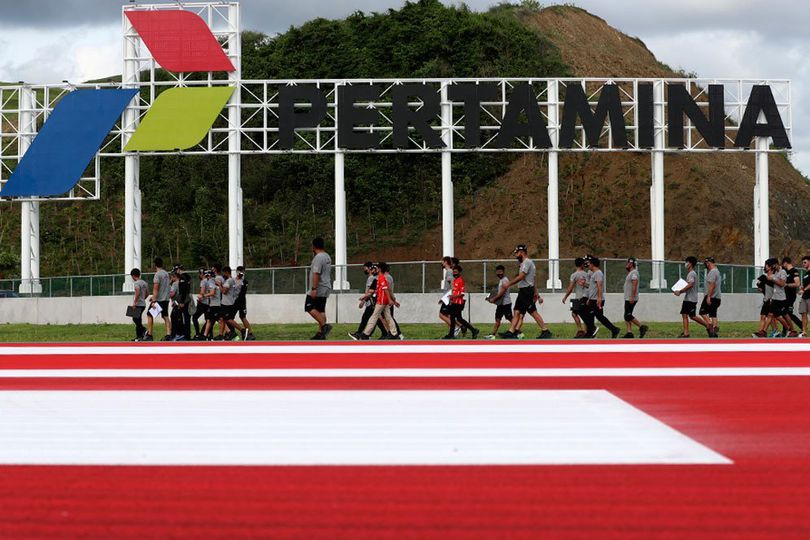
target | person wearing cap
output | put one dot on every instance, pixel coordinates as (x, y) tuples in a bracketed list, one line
[(527, 296), (503, 306), (631, 282), (457, 305), (777, 278), (711, 297), (596, 301), (321, 288), (381, 309), (690, 292), (577, 285), (202, 305), (369, 299)]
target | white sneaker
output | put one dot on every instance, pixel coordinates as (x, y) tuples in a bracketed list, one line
[(490, 336), (401, 337), (457, 331), (802, 335), (521, 335)]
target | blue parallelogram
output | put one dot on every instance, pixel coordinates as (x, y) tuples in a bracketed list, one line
[(60, 153)]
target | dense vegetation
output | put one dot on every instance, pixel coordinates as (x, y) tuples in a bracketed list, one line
[(288, 199)]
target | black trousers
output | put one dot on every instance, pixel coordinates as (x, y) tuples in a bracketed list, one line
[(140, 329), (456, 315), (366, 316), (201, 311), (181, 322), (593, 312)]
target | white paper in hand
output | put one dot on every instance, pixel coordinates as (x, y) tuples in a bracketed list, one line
[(679, 285), (446, 298), (155, 311)]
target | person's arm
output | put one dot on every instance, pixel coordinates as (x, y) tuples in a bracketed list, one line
[(688, 286), (635, 291), (796, 283), (137, 297), (569, 291), (154, 290), (316, 279), (503, 289), (710, 292), (518, 278), (537, 295), (599, 286), (780, 283)]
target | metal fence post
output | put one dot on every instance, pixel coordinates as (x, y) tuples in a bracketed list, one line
[(423, 277), (71, 286), (273, 281), (485, 276)]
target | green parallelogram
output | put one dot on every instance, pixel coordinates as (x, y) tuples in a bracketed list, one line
[(179, 119)]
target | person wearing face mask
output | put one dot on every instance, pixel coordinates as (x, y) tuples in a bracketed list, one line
[(447, 285), (527, 296), (596, 301), (502, 300), (690, 292), (382, 309), (369, 299), (711, 297)]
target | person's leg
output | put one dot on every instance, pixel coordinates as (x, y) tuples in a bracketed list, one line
[(393, 331), (167, 323), (453, 320), (685, 321), (139, 328), (372, 321), (150, 322), (365, 317), (497, 325), (588, 317), (517, 322), (539, 320), (600, 314), (577, 321)]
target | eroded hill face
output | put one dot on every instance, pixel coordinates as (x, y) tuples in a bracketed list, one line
[(605, 198)]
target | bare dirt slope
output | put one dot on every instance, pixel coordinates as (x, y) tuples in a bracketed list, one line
[(604, 199)]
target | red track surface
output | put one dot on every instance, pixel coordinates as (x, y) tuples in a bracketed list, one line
[(761, 423)]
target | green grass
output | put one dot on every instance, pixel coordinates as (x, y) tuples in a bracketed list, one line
[(29, 333)]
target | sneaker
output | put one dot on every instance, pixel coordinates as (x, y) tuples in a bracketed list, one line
[(474, 333), (250, 337), (326, 329), (595, 331), (759, 334), (684, 335), (181, 337), (545, 334), (147, 337), (489, 337), (219, 338), (354, 335), (198, 337), (520, 335), (714, 333), (448, 336), (401, 337), (384, 336), (456, 332), (628, 335), (579, 335), (392, 337), (136, 339), (614, 333), (643, 330), (167, 338), (317, 337), (792, 334), (230, 335), (776, 334), (802, 335), (508, 335), (244, 333), (363, 337)]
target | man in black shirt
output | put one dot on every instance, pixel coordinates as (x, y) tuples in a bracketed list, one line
[(792, 286)]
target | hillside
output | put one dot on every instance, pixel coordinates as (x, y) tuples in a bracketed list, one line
[(500, 199), (604, 199)]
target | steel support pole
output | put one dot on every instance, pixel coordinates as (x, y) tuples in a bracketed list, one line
[(761, 205), (553, 281), (657, 192), (341, 282), (132, 192), (235, 230), (448, 212), (29, 234)]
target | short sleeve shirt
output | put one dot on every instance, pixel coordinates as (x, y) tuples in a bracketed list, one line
[(806, 283), (580, 290), (382, 290), (203, 288), (458, 291), (779, 290), (506, 299), (213, 285), (713, 276), (229, 298), (370, 284), (632, 276), (596, 277), (143, 291), (163, 282), (174, 291), (322, 265), (692, 293), (448, 280), (792, 292), (528, 268)]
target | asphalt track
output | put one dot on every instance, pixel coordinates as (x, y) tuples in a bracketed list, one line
[(748, 401)]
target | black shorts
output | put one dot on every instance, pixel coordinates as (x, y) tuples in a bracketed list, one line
[(525, 300), (228, 312), (213, 313), (318, 304), (444, 309), (241, 308), (164, 309), (578, 305), (503, 312), (628, 309), (766, 307), (710, 310), (689, 308), (778, 308), (202, 309)]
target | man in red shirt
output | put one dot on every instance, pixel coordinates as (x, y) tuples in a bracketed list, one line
[(456, 306), (382, 309)]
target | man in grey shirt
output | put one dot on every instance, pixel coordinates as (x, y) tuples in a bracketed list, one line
[(230, 291), (321, 287), (160, 296), (527, 296), (777, 278), (596, 301), (578, 286), (711, 297), (503, 304), (138, 303), (631, 283), (689, 304)]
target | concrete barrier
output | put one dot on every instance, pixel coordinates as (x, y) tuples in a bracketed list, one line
[(342, 308)]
